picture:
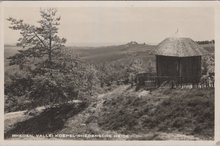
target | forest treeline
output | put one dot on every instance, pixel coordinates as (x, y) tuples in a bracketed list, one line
[(206, 42)]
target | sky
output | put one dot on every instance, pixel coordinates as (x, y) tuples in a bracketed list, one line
[(94, 26)]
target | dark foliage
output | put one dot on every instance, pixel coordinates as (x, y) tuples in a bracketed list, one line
[(49, 121), (206, 42), (44, 86)]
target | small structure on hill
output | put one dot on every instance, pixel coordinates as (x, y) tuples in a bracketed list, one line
[(178, 60), (181, 58)]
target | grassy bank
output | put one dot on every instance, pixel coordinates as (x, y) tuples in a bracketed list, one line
[(163, 114), (185, 111)]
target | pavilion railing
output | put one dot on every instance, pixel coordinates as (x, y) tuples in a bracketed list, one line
[(152, 81)]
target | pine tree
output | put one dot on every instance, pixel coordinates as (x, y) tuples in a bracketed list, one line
[(38, 41), (56, 76)]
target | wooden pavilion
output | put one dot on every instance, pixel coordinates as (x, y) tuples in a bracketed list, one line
[(178, 60), (179, 57)]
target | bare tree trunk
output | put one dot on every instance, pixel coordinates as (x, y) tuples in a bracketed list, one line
[(50, 53), (50, 50)]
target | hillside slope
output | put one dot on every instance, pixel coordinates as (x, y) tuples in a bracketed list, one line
[(123, 54), (126, 114), (180, 111), (105, 53)]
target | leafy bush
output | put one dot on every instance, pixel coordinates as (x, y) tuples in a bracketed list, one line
[(60, 81), (122, 71)]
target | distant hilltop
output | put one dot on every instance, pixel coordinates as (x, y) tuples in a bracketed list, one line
[(131, 43)]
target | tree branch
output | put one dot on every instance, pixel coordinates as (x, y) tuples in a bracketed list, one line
[(40, 39)]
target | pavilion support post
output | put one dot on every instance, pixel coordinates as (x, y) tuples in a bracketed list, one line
[(179, 71), (157, 70)]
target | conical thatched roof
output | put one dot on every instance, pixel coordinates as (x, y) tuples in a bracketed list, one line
[(180, 47)]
